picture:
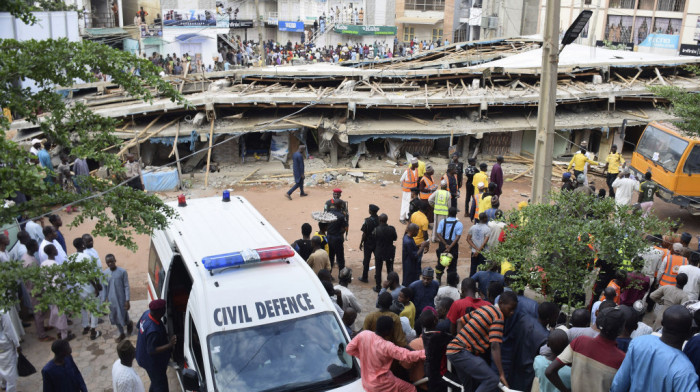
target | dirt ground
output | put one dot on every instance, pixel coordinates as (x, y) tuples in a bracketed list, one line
[(286, 216)]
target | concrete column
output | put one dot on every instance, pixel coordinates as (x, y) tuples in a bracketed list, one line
[(334, 153)]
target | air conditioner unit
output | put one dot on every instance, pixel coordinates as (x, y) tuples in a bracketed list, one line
[(489, 22)]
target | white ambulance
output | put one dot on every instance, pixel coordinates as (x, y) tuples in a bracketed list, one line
[(249, 313)]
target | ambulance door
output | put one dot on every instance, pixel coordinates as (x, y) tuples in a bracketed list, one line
[(194, 359)]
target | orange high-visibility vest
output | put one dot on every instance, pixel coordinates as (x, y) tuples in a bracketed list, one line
[(669, 276), (428, 189), (617, 292), (411, 180), (477, 200)]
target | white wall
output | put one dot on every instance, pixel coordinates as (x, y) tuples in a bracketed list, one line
[(57, 24), (208, 48)]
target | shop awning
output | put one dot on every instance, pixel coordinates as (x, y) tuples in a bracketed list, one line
[(191, 38), (423, 21)]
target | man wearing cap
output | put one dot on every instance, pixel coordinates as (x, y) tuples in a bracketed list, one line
[(449, 231), (440, 200), (368, 243), (424, 290), (476, 201), (624, 185), (612, 166), (298, 170), (567, 184), (153, 347), (409, 180), (497, 175), (337, 204), (36, 146), (469, 172)]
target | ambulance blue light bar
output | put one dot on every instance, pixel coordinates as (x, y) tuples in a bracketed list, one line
[(247, 256)]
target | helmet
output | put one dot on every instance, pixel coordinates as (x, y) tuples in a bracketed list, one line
[(566, 176), (581, 178)]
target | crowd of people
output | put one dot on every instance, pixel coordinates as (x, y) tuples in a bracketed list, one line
[(489, 333)]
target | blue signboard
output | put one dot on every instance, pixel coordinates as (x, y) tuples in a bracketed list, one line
[(291, 26), (661, 41)]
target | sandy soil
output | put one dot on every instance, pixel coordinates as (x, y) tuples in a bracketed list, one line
[(287, 216)]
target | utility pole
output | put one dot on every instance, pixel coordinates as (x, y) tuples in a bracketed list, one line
[(261, 50), (593, 25), (544, 142)]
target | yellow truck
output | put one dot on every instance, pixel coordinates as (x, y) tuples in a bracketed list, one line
[(673, 158)]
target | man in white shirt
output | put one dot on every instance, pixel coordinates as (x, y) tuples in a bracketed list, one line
[(4, 243), (90, 250), (348, 298), (124, 378), (624, 185), (88, 320), (693, 272), (35, 230), (50, 238), (9, 344)]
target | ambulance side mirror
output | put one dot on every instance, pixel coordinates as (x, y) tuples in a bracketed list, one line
[(190, 380)]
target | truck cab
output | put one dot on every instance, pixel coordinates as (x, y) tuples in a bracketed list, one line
[(249, 313), (673, 159)]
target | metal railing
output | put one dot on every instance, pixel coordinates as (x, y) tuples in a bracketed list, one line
[(670, 5), (99, 19)]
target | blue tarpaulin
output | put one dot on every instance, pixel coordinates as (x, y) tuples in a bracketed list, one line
[(168, 141), (160, 181), (355, 139)]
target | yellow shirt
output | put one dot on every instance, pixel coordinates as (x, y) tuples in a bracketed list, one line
[(484, 204), (421, 168), (421, 220), (409, 311), (480, 177), (579, 162), (614, 161), (506, 266)]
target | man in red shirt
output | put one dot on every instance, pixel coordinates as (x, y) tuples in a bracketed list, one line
[(469, 301)]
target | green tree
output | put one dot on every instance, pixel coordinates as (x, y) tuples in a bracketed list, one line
[(553, 246), (684, 104), (52, 66)]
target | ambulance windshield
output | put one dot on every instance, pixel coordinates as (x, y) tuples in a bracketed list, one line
[(301, 354)]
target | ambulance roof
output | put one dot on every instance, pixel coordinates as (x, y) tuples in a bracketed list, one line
[(240, 297)]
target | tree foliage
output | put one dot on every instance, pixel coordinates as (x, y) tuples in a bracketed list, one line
[(685, 105), (554, 246), (34, 75)]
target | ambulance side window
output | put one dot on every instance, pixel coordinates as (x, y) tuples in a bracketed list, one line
[(155, 270), (196, 350)]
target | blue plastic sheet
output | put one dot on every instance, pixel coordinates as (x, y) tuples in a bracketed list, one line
[(168, 141), (160, 181)]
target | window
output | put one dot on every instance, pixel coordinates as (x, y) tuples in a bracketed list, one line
[(196, 350), (155, 270), (667, 26), (437, 35), (622, 4), (425, 5), (408, 33), (692, 163), (671, 5), (619, 28), (646, 4), (642, 25), (661, 147), (303, 353), (587, 2)]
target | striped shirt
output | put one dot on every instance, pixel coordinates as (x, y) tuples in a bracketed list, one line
[(482, 327)]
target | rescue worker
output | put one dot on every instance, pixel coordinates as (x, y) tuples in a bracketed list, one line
[(612, 166), (452, 183), (427, 187), (476, 200), (153, 347), (578, 161), (336, 203), (669, 266), (449, 231), (469, 172), (480, 176), (409, 180), (368, 242), (440, 201)]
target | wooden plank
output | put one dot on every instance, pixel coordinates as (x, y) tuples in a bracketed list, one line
[(177, 157), (413, 118), (300, 123), (150, 135), (249, 175), (184, 77), (640, 115), (211, 140), (133, 141), (634, 78), (661, 78), (529, 169)]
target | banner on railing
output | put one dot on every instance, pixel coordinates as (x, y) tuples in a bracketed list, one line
[(364, 30), (291, 26)]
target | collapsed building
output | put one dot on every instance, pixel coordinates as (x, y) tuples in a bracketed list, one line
[(475, 98)]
